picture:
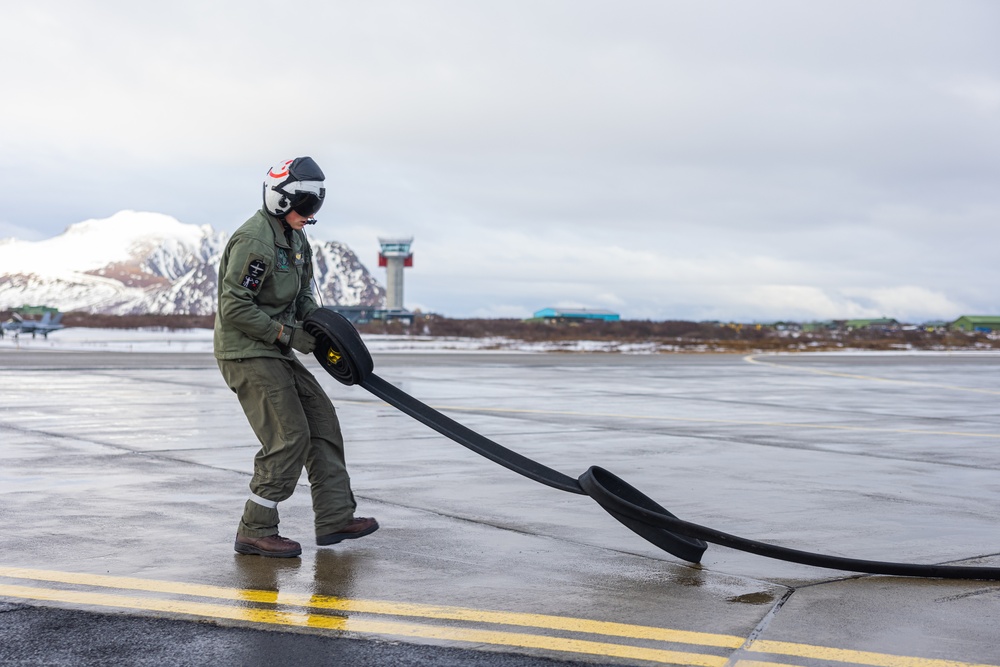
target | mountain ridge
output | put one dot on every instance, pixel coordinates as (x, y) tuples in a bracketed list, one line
[(136, 263)]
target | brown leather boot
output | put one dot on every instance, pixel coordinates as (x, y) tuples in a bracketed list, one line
[(272, 546), (358, 527)]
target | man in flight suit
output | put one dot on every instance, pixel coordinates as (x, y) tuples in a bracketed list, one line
[(264, 293)]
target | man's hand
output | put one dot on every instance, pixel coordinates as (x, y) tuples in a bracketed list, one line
[(297, 338), (303, 341)]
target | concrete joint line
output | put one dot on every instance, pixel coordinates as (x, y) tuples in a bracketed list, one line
[(761, 627)]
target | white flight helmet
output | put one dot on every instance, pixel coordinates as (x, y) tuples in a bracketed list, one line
[(294, 185)]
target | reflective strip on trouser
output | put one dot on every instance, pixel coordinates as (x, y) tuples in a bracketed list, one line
[(263, 501), (297, 425)]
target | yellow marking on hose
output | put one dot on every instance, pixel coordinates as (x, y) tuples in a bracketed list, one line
[(751, 359), (332, 356)]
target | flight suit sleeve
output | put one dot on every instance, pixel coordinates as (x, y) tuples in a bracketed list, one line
[(248, 266), (305, 301)]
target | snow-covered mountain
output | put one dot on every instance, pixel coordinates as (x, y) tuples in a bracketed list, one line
[(149, 263)]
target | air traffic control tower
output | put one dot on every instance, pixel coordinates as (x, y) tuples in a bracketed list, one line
[(395, 256)]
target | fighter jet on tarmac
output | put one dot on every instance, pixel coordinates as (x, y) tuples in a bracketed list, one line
[(18, 325)]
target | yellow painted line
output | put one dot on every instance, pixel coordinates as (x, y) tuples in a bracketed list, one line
[(735, 422), (245, 612), (855, 657), (569, 624), (250, 614), (752, 359), (363, 626)]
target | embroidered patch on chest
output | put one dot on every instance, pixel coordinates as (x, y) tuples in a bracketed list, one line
[(282, 258)]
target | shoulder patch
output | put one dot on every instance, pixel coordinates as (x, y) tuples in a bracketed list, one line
[(254, 274)]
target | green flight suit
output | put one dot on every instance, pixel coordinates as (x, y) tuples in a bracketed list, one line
[(264, 284)]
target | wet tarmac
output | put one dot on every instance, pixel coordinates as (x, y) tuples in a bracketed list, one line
[(122, 477)]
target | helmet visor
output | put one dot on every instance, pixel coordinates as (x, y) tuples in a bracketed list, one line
[(307, 203)]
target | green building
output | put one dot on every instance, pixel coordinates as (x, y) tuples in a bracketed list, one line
[(977, 323)]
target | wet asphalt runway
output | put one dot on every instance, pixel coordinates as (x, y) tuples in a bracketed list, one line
[(122, 477)]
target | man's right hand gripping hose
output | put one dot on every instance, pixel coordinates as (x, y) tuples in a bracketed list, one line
[(296, 338), (342, 353)]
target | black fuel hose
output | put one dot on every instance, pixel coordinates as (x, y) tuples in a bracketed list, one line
[(342, 353)]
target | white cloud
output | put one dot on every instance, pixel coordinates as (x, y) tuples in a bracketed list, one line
[(909, 301), (983, 93)]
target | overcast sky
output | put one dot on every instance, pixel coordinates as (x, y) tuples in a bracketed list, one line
[(733, 160)]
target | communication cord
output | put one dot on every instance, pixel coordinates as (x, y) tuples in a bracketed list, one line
[(343, 355)]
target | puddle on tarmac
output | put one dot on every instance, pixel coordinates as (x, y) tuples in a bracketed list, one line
[(753, 598)]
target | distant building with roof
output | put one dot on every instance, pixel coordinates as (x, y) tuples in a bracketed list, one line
[(575, 314), (828, 325), (977, 323), (36, 310), (883, 323), (368, 314)]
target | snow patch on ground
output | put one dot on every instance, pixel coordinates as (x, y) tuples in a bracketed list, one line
[(200, 341)]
